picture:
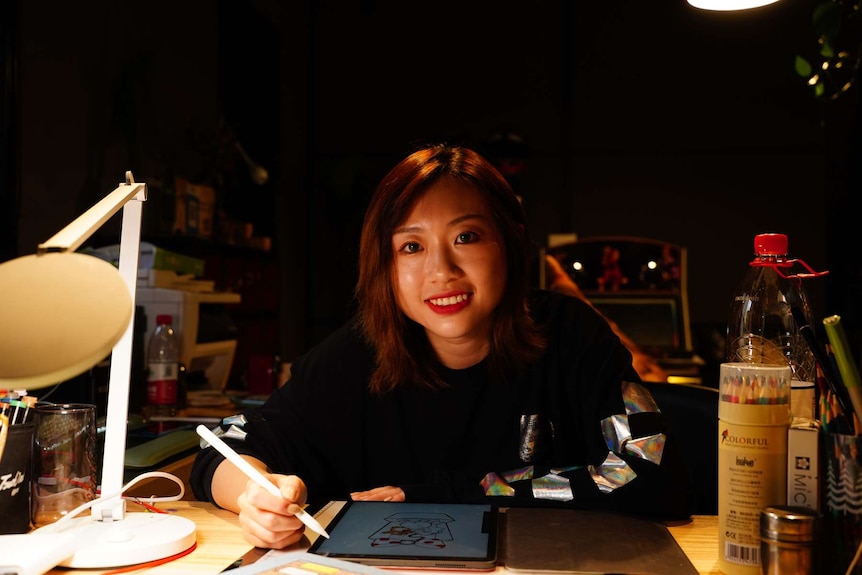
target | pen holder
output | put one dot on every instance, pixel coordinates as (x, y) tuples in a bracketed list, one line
[(753, 419), (64, 468), (841, 501), (15, 470)]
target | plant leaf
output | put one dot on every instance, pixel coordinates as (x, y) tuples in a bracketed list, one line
[(819, 89), (803, 68)]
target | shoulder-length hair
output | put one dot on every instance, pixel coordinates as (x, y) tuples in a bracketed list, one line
[(404, 355)]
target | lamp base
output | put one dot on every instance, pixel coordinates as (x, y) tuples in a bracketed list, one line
[(137, 538)]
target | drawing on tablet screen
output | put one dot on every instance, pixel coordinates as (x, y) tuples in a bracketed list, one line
[(414, 528)]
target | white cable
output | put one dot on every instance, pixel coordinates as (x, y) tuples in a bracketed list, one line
[(152, 499)]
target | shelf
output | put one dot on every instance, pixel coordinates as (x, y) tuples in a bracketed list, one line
[(201, 247), (213, 358)]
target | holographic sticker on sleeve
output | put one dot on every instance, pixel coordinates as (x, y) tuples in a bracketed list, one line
[(553, 487), (493, 484), (612, 473), (616, 431), (638, 399), (518, 474), (239, 420), (233, 432), (649, 448), (561, 470), (537, 432)]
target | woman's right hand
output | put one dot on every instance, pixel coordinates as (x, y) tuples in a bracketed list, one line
[(265, 519)]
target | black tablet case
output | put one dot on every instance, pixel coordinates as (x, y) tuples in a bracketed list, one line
[(580, 541)]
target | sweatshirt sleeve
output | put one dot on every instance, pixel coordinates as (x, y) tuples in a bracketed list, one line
[(301, 427), (611, 447), (644, 470)]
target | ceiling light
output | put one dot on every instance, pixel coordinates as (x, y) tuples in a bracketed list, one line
[(729, 5)]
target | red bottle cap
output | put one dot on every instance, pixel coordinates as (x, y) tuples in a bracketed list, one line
[(770, 244), (164, 318)]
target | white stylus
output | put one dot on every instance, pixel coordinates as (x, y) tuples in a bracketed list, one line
[(258, 477)]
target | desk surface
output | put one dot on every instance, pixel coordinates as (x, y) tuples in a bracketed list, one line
[(220, 542)]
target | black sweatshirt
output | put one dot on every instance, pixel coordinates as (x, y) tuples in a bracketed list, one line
[(439, 445)]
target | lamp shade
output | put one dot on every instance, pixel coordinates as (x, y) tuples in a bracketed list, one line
[(729, 5), (60, 314)]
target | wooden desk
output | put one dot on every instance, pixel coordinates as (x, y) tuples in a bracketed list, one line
[(220, 542), (699, 539)]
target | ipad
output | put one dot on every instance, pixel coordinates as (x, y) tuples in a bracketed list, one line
[(413, 535)]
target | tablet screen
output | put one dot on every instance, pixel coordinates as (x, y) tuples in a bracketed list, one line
[(418, 535)]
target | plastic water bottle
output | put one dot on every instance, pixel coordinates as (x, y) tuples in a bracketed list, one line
[(163, 362), (761, 327), (768, 378)]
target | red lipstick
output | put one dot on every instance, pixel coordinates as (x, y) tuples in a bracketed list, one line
[(449, 303)]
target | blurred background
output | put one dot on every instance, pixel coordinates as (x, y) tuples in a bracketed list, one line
[(651, 119)]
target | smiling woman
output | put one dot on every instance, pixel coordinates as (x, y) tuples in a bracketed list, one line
[(471, 217), (456, 381), (449, 258)]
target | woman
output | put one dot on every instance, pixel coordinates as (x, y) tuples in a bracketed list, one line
[(456, 381)]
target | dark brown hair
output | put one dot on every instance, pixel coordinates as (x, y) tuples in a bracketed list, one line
[(404, 355)]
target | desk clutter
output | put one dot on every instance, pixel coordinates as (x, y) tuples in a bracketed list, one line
[(790, 463), (15, 477), (207, 337), (171, 283), (15, 408), (166, 264), (47, 460), (789, 412), (16, 448)]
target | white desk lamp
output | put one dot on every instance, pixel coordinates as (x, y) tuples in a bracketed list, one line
[(63, 312)]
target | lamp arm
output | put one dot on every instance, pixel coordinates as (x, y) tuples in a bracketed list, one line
[(76, 233)]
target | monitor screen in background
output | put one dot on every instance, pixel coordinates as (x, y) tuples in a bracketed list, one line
[(652, 323)]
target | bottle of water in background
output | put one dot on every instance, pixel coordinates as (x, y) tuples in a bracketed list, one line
[(768, 366), (761, 327), (163, 361)]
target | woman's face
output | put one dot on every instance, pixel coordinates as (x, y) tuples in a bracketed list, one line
[(450, 270)]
